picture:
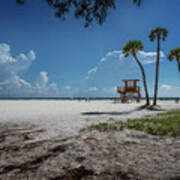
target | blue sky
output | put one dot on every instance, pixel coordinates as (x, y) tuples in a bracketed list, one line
[(41, 55)]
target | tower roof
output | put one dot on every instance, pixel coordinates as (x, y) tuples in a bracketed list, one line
[(125, 80)]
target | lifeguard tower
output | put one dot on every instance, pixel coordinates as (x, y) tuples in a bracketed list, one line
[(130, 90)]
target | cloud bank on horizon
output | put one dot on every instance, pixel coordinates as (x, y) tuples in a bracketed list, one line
[(101, 80)]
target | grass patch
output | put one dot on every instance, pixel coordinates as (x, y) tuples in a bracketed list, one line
[(111, 119), (162, 124)]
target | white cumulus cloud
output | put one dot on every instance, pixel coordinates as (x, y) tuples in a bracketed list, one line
[(93, 70), (43, 78), (92, 88), (149, 57), (11, 84), (67, 87), (168, 90), (114, 62), (166, 86)]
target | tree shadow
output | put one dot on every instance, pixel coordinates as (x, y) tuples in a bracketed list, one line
[(113, 113)]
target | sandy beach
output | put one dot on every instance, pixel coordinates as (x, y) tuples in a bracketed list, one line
[(66, 117), (42, 140)]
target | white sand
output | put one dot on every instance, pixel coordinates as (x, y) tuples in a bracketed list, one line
[(66, 117)]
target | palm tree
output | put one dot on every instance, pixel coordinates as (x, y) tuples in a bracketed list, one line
[(159, 34), (131, 48), (175, 54)]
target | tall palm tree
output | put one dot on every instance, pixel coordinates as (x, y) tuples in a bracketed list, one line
[(159, 34), (131, 48), (175, 54)]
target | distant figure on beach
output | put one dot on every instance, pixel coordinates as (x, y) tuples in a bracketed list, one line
[(177, 100), (115, 100), (87, 100)]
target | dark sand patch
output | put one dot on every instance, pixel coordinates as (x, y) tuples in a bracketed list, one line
[(89, 155)]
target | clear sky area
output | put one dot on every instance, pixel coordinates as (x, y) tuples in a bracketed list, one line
[(41, 55)]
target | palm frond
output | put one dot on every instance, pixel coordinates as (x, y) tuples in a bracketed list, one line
[(170, 57), (138, 2), (132, 46), (20, 1), (175, 54), (158, 32)]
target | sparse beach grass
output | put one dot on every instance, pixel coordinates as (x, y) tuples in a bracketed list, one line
[(161, 124)]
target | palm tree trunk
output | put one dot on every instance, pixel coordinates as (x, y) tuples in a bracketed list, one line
[(144, 79), (157, 72), (178, 61)]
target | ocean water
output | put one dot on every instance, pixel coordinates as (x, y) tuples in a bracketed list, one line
[(77, 98)]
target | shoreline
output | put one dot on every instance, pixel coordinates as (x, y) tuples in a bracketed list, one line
[(81, 98)]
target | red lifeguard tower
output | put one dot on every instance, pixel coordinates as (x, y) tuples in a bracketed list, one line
[(129, 91)]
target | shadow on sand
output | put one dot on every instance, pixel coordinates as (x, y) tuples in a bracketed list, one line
[(113, 113)]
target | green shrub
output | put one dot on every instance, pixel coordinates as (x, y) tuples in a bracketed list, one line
[(162, 124)]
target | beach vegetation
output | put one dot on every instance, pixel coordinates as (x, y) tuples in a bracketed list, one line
[(162, 124)]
